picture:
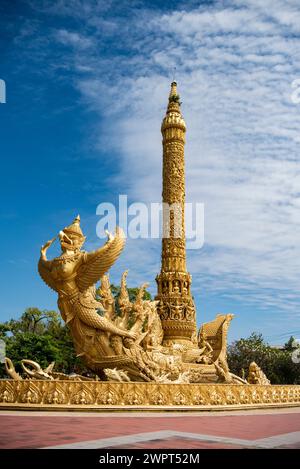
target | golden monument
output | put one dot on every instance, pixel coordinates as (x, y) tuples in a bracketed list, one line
[(176, 307), (143, 353)]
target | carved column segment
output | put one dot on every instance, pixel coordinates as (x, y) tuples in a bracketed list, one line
[(176, 306)]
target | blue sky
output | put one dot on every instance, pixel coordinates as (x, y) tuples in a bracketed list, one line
[(87, 86)]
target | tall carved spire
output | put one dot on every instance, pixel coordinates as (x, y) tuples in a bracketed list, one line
[(176, 307)]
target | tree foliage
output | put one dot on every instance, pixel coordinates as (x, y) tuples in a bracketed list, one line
[(40, 336), (276, 363)]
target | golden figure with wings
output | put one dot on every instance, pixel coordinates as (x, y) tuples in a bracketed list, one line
[(73, 276)]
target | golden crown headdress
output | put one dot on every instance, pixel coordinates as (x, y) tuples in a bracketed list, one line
[(72, 237), (74, 229)]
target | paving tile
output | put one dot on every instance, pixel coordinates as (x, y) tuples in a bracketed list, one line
[(44, 429)]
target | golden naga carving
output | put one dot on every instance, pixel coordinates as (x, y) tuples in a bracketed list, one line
[(256, 375), (33, 370), (121, 339), (10, 369)]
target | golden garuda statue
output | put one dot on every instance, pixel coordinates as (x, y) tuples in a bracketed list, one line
[(73, 276)]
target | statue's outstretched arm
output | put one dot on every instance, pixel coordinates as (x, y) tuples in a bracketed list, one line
[(45, 248), (44, 266)]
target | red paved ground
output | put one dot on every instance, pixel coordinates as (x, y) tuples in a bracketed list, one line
[(36, 431)]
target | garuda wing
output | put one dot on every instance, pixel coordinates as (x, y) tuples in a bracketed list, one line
[(46, 275), (98, 262)]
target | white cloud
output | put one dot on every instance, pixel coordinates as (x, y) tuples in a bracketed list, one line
[(69, 38)]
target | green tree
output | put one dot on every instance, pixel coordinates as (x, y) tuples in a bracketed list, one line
[(291, 344), (40, 336), (276, 363)]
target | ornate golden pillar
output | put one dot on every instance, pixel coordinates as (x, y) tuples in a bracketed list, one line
[(176, 307)]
